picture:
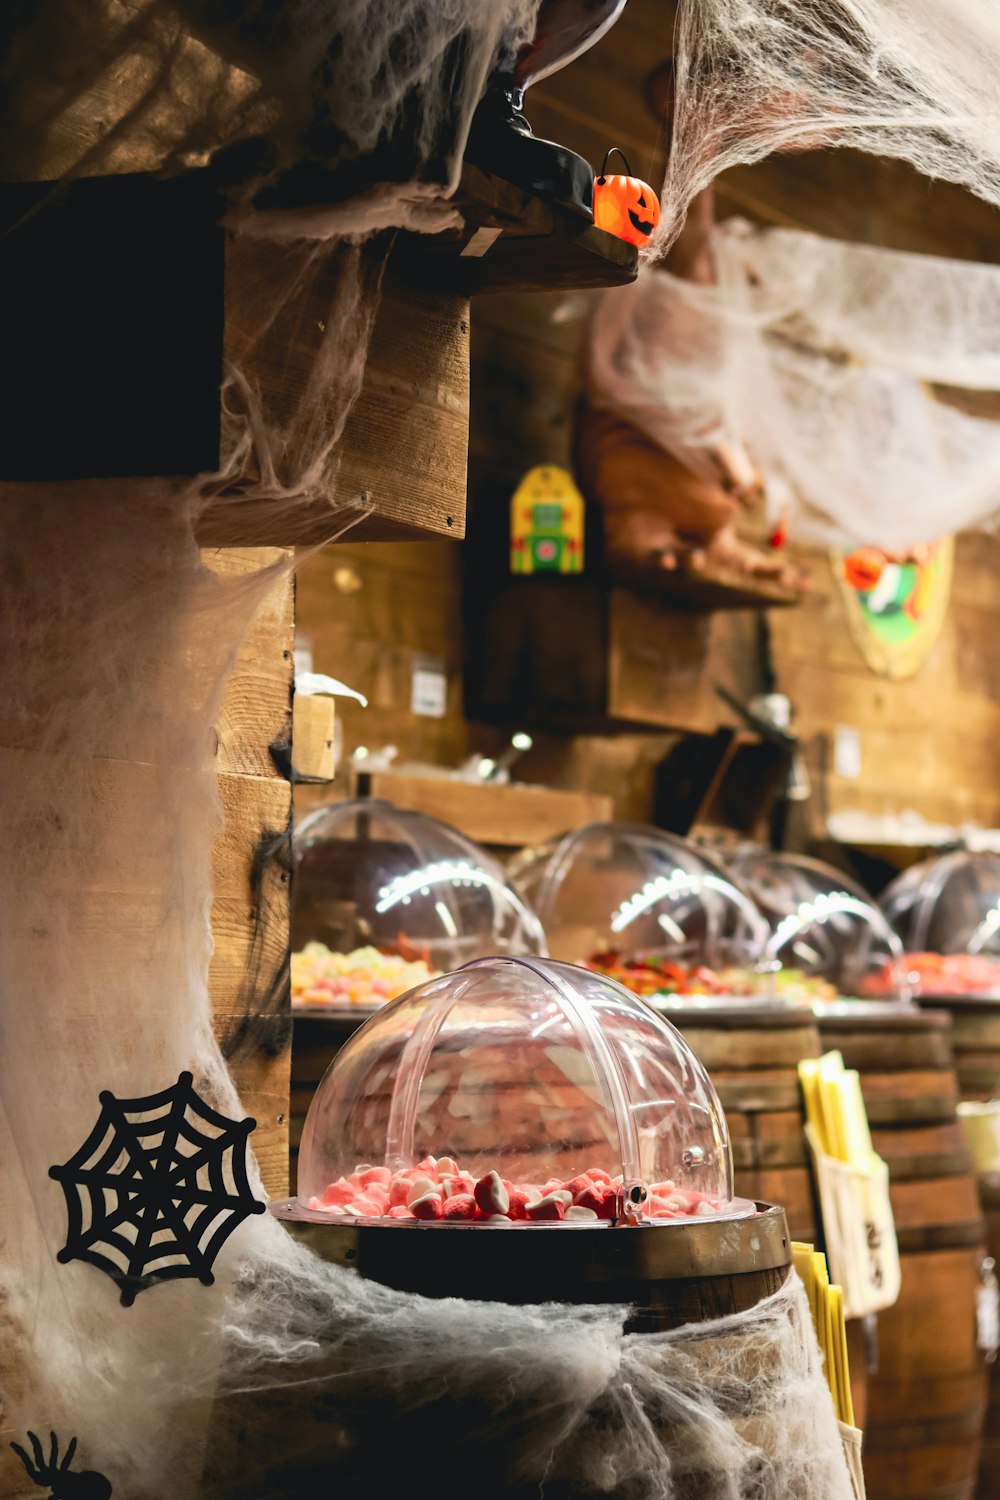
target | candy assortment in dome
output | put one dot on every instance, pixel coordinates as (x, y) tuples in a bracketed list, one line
[(651, 910), (367, 976), (951, 975), (799, 988), (946, 911), (384, 898), (515, 1090), (650, 975), (824, 929), (437, 1189)]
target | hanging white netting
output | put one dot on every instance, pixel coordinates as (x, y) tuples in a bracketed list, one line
[(914, 79), (839, 370)]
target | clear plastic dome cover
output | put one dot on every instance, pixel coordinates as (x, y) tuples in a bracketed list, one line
[(517, 1091), (384, 898), (646, 908), (827, 937), (946, 913)]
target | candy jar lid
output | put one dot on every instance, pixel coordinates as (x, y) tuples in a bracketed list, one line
[(946, 912), (644, 906), (517, 1091), (827, 937), (383, 898)]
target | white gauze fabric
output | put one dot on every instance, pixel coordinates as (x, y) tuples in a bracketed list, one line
[(913, 79), (837, 368)]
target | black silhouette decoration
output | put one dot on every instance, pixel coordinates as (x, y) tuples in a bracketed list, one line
[(63, 1482), (157, 1188)]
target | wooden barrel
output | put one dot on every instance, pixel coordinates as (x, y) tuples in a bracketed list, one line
[(670, 1276), (926, 1401), (989, 1467), (975, 1029), (751, 1051), (976, 1041)]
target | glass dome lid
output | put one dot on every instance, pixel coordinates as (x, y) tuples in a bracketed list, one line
[(516, 1091), (646, 908), (827, 938), (946, 913), (384, 898)]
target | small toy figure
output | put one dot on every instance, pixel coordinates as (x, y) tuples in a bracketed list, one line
[(546, 523)]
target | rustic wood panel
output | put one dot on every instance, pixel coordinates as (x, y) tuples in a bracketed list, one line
[(665, 663), (371, 614), (247, 978), (925, 743), (405, 441), (928, 742)]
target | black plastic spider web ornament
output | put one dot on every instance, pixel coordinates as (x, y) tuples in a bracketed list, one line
[(157, 1188)]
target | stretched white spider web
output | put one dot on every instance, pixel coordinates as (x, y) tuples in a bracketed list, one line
[(157, 1188)]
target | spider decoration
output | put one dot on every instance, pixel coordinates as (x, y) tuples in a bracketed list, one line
[(157, 1188), (63, 1482)]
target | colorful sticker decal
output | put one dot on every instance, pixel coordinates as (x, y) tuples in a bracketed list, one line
[(896, 605), (546, 523)]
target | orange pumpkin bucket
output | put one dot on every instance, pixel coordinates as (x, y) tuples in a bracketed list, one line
[(625, 206)]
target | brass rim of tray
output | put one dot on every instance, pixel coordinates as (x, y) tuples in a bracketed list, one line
[(590, 1253)]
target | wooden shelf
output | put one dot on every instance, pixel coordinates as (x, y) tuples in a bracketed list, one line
[(513, 241), (508, 816), (404, 448), (573, 656), (708, 587), (148, 402)]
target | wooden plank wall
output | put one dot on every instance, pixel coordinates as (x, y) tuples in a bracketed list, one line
[(371, 613), (928, 743)]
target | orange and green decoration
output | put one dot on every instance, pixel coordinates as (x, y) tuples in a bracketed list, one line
[(546, 523), (896, 604)]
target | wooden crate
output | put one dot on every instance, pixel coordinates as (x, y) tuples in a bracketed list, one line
[(571, 654)]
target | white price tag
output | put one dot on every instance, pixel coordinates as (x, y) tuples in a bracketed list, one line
[(847, 752), (429, 692)]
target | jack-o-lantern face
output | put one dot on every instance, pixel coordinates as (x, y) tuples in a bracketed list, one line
[(863, 568), (625, 206)]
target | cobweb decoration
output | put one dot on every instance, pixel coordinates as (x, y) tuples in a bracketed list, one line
[(861, 383), (157, 1188), (918, 80)]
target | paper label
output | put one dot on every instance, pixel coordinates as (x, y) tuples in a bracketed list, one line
[(860, 1233), (988, 1312), (847, 752), (429, 692)]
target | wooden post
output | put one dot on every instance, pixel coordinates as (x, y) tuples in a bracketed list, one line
[(248, 981)]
